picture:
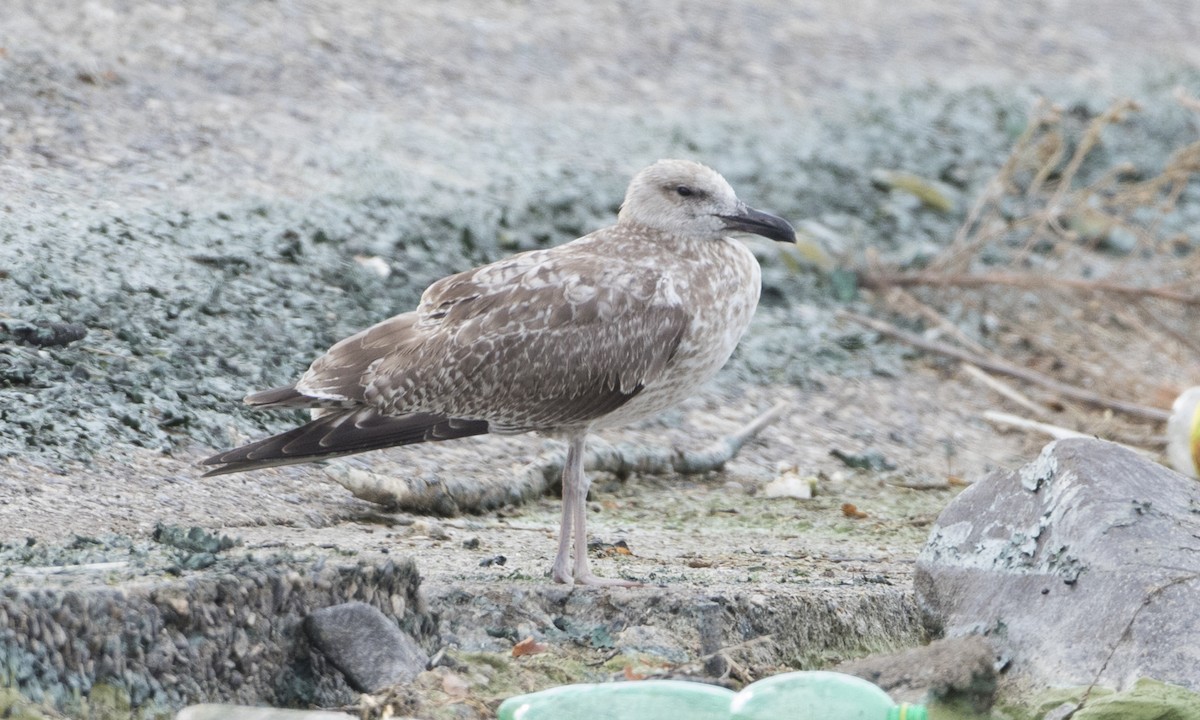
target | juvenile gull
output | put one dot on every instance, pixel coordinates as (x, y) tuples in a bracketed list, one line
[(607, 329)]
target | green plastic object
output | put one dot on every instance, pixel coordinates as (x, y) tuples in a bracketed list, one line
[(791, 696), (817, 695), (640, 700)]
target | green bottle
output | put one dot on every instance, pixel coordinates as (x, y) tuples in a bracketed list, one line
[(640, 700), (818, 695), (791, 696)]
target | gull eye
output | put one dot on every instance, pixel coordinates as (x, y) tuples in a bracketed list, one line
[(684, 191)]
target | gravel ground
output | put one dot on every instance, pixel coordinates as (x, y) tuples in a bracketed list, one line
[(191, 183)]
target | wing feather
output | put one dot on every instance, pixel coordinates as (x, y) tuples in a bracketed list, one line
[(546, 340), (542, 340)]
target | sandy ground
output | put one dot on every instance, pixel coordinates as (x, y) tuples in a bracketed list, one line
[(666, 520)]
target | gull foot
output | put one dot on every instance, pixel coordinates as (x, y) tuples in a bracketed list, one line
[(590, 579)]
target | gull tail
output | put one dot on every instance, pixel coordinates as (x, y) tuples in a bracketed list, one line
[(338, 433)]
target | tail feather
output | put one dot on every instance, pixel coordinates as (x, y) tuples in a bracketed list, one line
[(342, 433)]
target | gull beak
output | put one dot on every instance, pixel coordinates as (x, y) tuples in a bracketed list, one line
[(757, 222)]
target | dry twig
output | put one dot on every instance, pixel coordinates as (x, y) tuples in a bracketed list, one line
[(1004, 368), (1031, 282), (1055, 431), (1104, 289), (1007, 391), (628, 459), (455, 495)]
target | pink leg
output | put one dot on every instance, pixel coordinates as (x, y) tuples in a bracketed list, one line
[(575, 489), (561, 570)]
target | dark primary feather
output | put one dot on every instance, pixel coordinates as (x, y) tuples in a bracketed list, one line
[(342, 433), (286, 396)]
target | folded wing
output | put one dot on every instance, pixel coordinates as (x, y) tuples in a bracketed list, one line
[(546, 340)]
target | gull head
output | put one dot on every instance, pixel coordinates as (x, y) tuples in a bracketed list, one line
[(687, 199)]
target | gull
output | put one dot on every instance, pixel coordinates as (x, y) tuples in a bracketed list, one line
[(599, 332)]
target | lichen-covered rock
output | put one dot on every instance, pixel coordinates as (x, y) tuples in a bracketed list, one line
[(1082, 567)]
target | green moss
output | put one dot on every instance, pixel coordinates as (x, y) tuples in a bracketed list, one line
[(103, 702), (108, 701), (16, 707)]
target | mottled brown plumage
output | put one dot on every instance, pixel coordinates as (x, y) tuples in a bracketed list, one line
[(612, 327)]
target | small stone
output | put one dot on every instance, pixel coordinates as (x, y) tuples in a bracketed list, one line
[(366, 645), (734, 486), (650, 640), (454, 684), (956, 671), (374, 264), (1062, 712), (180, 606), (430, 529), (241, 644), (790, 484)]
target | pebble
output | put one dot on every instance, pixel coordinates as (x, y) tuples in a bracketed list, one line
[(791, 485), (366, 645)]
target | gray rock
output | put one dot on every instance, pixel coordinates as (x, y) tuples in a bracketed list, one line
[(1081, 567), (214, 711), (650, 640), (366, 645), (952, 671)]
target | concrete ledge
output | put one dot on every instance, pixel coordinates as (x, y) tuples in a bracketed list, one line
[(807, 626), (230, 633)]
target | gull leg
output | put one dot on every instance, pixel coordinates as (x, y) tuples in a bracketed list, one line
[(573, 472), (561, 570)]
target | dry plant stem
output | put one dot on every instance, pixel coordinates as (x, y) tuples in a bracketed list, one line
[(1150, 317), (1048, 219), (628, 459), (534, 479), (1033, 282), (1007, 391), (735, 669), (1004, 389), (1114, 114), (1055, 431), (936, 317), (1004, 368), (964, 241)]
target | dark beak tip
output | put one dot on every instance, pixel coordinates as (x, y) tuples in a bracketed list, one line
[(761, 223), (789, 235)]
